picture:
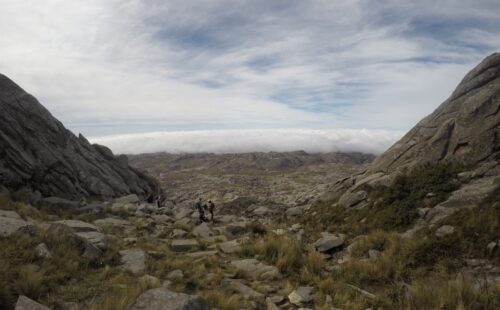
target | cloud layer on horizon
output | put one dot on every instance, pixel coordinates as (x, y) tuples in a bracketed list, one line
[(241, 141), (122, 66)]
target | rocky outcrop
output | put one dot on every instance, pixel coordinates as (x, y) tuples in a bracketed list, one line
[(39, 153), (464, 128)]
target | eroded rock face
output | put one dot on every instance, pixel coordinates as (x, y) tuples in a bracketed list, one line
[(464, 128), (38, 152)]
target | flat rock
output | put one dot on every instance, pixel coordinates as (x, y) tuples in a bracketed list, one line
[(257, 270), (243, 289), (78, 226), (133, 260), (202, 254), (230, 247), (163, 299), (182, 245), (301, 296), (179, 233), (9, 226), (329, 242), (112, 222), (10, 214), (24, 303), (444, 231), (96, 238), (203, 231)]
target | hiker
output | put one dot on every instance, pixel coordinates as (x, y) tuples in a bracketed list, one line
[(211, 208), (201, 211), (160, 200)]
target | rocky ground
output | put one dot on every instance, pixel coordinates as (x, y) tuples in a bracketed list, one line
[(289, 179)]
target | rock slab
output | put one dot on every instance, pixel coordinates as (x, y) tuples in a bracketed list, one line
[(163, 299)]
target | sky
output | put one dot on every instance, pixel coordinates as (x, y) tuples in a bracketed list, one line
[(232, 75)]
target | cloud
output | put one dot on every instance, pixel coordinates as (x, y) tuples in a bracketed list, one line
[(253, 140), (120, 66)]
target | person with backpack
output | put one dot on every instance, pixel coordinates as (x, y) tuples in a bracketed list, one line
[(201, 212), (211, 209)]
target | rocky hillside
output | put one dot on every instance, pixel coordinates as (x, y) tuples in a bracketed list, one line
[(38, 154), (465, 128)]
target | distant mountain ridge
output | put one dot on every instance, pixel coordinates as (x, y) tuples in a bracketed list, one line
[(39, 154)]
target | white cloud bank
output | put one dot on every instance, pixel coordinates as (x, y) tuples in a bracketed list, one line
[(251, 140)]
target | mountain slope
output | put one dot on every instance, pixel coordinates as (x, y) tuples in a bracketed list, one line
[(38, 153), (464, 128)]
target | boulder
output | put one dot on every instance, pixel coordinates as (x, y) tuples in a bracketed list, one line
[(262, 211), (10, 214), (242, 289), (179, 233), (230, 247), (203, 231), (182, 245), (175, 275), (257, 270), (9, 226), (351, 199), (329, 242), (150, 281), (295, 211), (163, 299), (133, 260), (42, 251), (444, 231), (301, 296), (24, 303)]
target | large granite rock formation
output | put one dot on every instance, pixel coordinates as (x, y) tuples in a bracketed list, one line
[(464, 128), (37, 152)]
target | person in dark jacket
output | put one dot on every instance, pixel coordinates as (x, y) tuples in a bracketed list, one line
[(211, 209), (201, 211)]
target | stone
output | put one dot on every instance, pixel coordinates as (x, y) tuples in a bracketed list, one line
[(351, 199), (9, 226), (127, 199), (162, 299), (162, 219), (10, 214), (42, 251), (230, 247), (295, 211), (329, 242), (203, 231), (78, 226), (112, 222), (202, 254), (183, 213), (492, 246), (374, 255), (175, 275), (183, 245), (133, 260), (296, 227), (150, 281), (24, 303), (262, 211), (279, 232), (301, 296), (235, 229), (91, 251), (179, 233), (242, 289), (156, 254), (444, 231), (96, 238), (257, 270)]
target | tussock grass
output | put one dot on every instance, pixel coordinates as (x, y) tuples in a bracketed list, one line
[(224, 300)]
